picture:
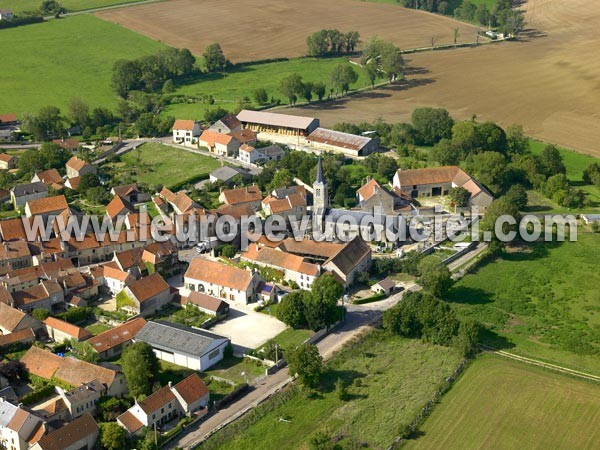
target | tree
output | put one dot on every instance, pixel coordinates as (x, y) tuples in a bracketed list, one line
[(391, 62), (432, 124), (40, 314), (516, 141), (434, 275), (321, 441), (459, 196), (214, 58), (341, 390), (13, 370), (260, 96), (88, 180), (46, 124), (139, 364), (51, 7), (502, 206), (281, 179), (214, 114), (321, 304), (456, 35), (125, 76), (446, 153), (372, 73), (492, 137), (517, 195), (465, 137), (341, 77), (490, 169), (112, 436), (79, 112), (319, 89), (307, 91), (168, 87), (305, 361), (291, 86), (317, 44), (551, 162), (291, 309), (109, 408), (592, 174)]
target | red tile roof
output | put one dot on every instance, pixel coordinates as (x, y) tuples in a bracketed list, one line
[(117, 336), (47, 205), (69, 434), (130, 422), (182, 124), (148, 287), (157, 400), (191, 388), (219, 274), (76, 163), (49, 176), (242, 195), (74, 331), (8, 118), (212, 138), (26, 334)]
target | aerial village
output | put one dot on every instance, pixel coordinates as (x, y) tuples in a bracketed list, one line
[(71, 310)]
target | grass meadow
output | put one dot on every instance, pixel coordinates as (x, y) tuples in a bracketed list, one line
[(540, 301), (390, 379), (229, 88), (162, 164), (57, 60), (506, 404), (70, 5)]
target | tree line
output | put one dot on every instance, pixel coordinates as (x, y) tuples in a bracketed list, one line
[(332, 42)]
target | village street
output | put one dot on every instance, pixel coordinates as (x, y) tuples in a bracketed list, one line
[(358, 319)]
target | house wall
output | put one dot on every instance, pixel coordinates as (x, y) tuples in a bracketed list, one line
[(152, 305), (57, 335), (22, 200), (233, 295), (118, 388)]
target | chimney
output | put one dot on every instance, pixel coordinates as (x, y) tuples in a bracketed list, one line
[(170, 385)]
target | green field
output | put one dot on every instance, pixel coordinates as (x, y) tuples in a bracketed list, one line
[(390, 379), (542, 302), (162, 164), (229, 88), (69, 5), (60, 59), (504, 404), (575, 162)]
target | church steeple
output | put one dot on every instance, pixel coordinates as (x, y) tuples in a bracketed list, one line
[(320, 191)]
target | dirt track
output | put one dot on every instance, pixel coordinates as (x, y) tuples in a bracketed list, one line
[(259, 29), (549, 81)]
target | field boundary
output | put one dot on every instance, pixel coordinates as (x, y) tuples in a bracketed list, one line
[(549, 366)]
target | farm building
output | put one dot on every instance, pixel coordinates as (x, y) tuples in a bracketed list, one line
[(346, 143), (189, 347), (266, 122), (7, 162), (226, 124), (111, 342), (207, 304), (437, 181)]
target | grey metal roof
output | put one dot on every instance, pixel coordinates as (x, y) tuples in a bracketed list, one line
[(29, 188), (339, 139), (179, 338), (226, 173)]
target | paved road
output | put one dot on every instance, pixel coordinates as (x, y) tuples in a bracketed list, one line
[(358, 320)]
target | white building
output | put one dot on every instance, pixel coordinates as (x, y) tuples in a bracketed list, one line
[(222, 281), (186, 132), (17, 426), (189, 347)]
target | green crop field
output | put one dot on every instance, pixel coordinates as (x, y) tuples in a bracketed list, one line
[(503, 404), (70, 5), (229, 88), (52, 62), (162, 164), (542, 302), (390, 379)]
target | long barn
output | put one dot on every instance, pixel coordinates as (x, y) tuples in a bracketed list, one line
[(273, 123)]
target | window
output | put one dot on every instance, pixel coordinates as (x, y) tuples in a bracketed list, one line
[(214, 354)]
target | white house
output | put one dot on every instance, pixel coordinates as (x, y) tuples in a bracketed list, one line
[(116, 280), (187, 397), (17, 426), (222, 281), (186, 132), (6, 14), (193, 348)]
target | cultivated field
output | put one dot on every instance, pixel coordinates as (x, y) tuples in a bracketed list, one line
[(390, 379), (548, 81), (504, 404), (250, 30), (541, 302), (57, 60)]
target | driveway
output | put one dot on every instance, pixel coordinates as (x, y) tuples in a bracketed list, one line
[(247, 328)]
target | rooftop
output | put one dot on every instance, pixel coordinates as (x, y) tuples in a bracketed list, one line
[(274, 119), (219, 274)]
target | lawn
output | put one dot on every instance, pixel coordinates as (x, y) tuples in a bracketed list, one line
[(61, 59), (506, 404), (231, 368), (542, 302), (97, 328), (390, 379), (229, 88), (163, 164), (69, 5)]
